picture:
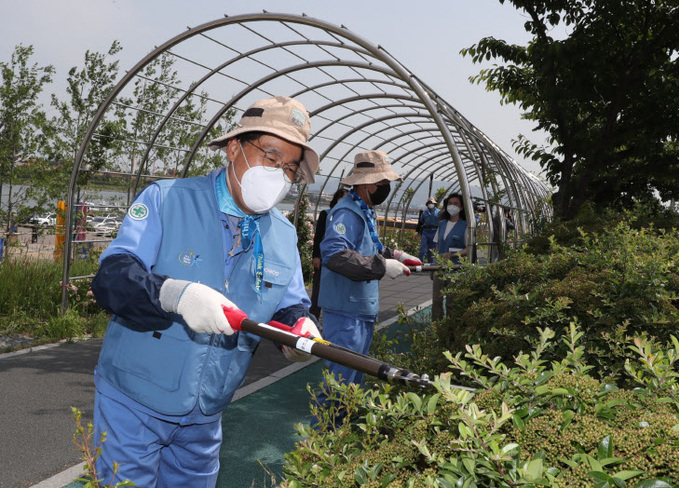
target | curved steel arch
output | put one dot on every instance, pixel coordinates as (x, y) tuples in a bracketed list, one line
[(363, 97)]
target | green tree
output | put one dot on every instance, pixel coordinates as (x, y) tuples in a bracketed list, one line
[(87, 87), (607, 95), (185, 127), (22, 124), (155, 93)]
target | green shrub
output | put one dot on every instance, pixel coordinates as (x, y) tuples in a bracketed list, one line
[(619, 283), (537, 423), (305, 237), (32, 303), (65, 326), (406, 240), (594, 220)]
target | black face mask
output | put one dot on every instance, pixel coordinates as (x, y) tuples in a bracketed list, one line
[(380, 194)]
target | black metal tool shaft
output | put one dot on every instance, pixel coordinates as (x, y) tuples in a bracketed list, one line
[(424, 269), (429, 269), (340, 355), (323, 349)]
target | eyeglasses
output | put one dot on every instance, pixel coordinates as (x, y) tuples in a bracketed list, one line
[(273, 161)]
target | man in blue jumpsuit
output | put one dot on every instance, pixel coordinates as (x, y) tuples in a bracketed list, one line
[(427, 225), (354, 260), (171, 362)]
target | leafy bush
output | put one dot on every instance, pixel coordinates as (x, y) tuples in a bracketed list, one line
[(619, 283), (595, 220), (406, 240), (32, 304), (305, 237), (537, 423)]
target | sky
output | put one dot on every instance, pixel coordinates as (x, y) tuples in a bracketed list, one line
[(425, 36)]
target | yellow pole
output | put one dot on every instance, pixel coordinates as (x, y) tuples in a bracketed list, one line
[(60, 234)]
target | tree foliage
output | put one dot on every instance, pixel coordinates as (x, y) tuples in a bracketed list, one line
[(87, 87), (157, 93), (607, 95), (22, 124), (155, 124)]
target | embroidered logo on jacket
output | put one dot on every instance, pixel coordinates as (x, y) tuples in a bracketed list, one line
[(189, 258), (138, 211)]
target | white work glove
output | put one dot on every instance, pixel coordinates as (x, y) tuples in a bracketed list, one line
[(406, 258), (199, 305), (396, 269), (303, 327)]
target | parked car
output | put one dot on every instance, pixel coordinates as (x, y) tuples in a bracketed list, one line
[(107, 226), (96, 221), (44, 220)]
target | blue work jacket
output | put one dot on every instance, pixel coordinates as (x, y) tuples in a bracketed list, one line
[(172, 370), (338, 292)]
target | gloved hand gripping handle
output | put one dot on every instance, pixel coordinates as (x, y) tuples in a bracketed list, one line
[(236, 317)]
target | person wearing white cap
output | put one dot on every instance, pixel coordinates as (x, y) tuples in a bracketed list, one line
[(171, 362), (427, 224), (354, 260)]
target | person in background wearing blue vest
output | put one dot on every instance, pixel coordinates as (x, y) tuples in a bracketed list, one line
[(354, 260), (451, 243), (171, 362), (427, 225)]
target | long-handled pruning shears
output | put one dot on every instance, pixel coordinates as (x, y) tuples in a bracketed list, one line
[(424, 268), (430, 268), (321, 348)]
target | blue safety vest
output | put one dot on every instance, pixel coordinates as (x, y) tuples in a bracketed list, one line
[(455, 238), (429, 219), (170, 370), (340, 293)]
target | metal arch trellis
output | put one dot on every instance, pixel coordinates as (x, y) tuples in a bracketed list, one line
[(359, 98)]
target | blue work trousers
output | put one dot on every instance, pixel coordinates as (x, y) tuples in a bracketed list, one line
[(427, 244), (155, 453), (347, 331)]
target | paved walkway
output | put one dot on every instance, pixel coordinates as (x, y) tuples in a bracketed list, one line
[(38, 386)]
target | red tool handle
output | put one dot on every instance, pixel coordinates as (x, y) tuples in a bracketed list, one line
[(287, 328), (236, 316)]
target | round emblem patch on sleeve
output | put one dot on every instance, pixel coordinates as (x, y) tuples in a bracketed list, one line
[(341, 228), (138, 211)]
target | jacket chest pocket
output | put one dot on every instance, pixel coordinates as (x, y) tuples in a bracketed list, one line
[(275, 279)]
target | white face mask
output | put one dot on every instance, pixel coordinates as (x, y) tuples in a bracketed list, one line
[(431, 206), (453, 210), (262, 188)]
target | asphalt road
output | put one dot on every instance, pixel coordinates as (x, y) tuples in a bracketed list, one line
[(37, 390)]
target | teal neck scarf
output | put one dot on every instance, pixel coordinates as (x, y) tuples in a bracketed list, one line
[(249, 228), (370, 217)]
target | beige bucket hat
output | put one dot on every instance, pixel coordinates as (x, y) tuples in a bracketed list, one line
[(284, 117), (370, 167), (431, 200)]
